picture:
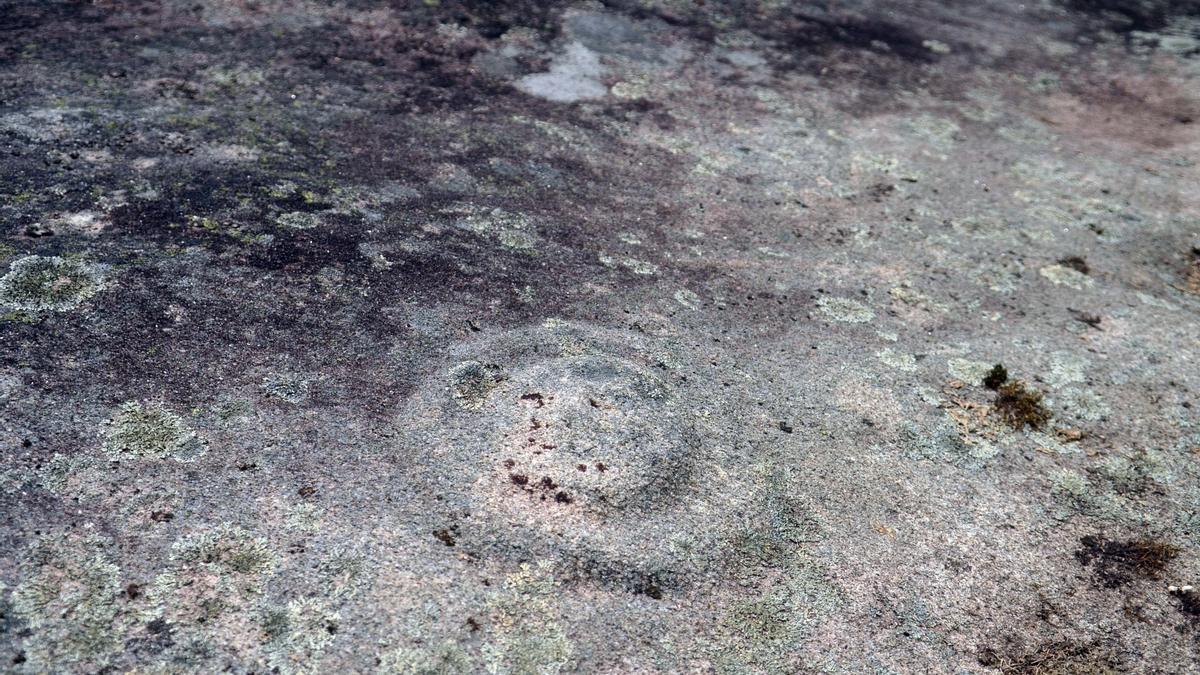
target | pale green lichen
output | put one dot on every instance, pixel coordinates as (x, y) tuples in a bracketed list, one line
[(789, 594), (898, 360), (1084, 404), (452, 178), (774, 525), (343, 574), (1136, 472), (226, 549), (302, 517), (512, 230), (1076, 494), (443, 658), (229, 409), (639, 266), (471, 382), (946, 443), (1153, 301), (761, 633), (913, 298), (213, 587), (971, 372), (299, 635), (287, 387), (68, 601), (845, 310), (516, 240), (149, 430), (937, 47), (938, 132), (37, 283), (525, 294), (687, 298), (298, 220), (527, 636), (1066, 368), (634, 265), (234, 231), (999, 275), (55, 475), (1062, 275)]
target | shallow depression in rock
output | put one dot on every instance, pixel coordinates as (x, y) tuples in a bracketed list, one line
[(580, 444)]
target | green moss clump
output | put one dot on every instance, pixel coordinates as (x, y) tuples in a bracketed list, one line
[(150, 430), (37, 283)]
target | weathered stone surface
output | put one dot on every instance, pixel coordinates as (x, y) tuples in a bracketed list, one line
[(623, 336)]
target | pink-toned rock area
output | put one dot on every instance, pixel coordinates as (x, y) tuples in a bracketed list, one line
[(622, 336)]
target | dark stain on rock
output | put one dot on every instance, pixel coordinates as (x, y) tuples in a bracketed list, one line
[(1124, 16), (444, 536), (870, 34), (1061, 656), (1077, 263), (1117, 563), (1188, 602), (1086, 318)]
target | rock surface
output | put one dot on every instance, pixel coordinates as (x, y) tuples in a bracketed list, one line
[(626, 336)]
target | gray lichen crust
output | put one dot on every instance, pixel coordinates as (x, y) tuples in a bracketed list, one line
[(38, 283)]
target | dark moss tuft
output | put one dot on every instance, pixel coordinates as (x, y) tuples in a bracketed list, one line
[(445, 536), (1058, 658), (1019, 406), (995, 377)]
